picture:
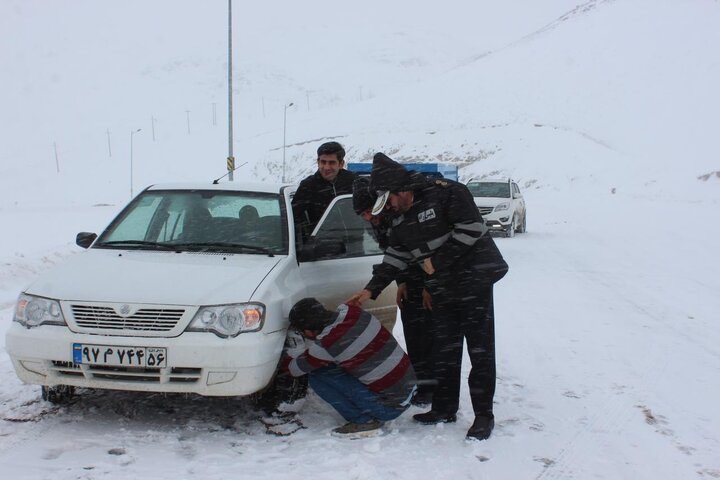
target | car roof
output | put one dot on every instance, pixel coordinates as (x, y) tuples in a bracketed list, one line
[(263, 187), (490, 180)]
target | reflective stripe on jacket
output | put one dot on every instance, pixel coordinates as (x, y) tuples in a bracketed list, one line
[(442, 224)]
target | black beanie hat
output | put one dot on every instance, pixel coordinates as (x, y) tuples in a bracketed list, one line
[(363, 198), (309, 314), (388, 175)]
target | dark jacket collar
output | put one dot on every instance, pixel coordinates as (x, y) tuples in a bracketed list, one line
[(342, 177)]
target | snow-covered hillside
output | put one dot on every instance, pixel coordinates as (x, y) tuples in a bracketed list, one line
[(605, 111)]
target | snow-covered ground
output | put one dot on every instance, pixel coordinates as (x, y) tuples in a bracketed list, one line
[(604, 111)]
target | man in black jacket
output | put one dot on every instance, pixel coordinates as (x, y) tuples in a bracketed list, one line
[(363, 202), (317, 191), (412, 298), (438, 227)]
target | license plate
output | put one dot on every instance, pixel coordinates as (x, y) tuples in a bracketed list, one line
[(119, 356)]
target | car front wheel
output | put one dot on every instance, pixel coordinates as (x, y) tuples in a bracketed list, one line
[(523, 225), (510, 232), (284, 388), (58, 394)]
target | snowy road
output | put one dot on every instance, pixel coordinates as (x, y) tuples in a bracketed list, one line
[(608, 364), (605, 112)]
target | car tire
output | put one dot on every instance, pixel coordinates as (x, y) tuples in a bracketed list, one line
[(523, 226), (57, 394), (510, 231), (284, 388)]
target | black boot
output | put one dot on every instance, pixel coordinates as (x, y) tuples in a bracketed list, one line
[(432, 417), (481, 428)]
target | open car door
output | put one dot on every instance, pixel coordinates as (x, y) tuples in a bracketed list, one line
[(337, 261)]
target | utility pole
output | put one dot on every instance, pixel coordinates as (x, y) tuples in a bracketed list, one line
[(57, 161), (187, 112), (152, 122), (230, 157), (132, 132), (284, 142), (109, 149)]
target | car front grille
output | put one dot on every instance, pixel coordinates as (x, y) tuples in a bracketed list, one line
[(127, 374), (144, 319), (485, 210)]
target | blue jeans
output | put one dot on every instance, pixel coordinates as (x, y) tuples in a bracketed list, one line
[(350, 397)]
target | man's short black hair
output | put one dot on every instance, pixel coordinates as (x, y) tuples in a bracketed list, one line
[(330, 148), (309, 314), (363, 198)]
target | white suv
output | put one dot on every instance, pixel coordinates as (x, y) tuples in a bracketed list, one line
[(188, 290), (501, 205)]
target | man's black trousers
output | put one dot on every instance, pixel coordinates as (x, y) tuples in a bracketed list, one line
[(470, 318), (417, 329)]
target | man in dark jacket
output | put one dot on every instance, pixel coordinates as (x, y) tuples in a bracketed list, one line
[(353, 363), (438, 227), (363, 202), (412, 298), (317, 191)]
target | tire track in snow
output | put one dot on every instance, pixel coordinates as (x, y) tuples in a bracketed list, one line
[(613, 412), (24, 421)]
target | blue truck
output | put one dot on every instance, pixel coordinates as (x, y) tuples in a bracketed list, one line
[(431, 170)]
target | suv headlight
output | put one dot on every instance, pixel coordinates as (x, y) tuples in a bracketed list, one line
[(502, 206), (32, 311), (229, 320)]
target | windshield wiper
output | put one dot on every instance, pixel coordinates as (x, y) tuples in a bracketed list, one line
[(136, 243), (207, 246)]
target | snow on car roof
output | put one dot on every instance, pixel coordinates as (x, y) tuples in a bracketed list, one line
[(489, 180), (265, 187)]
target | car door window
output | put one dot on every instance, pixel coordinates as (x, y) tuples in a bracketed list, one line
[(341, 224), (333, 278)]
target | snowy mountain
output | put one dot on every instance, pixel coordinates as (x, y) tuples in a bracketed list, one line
[(604, 111)]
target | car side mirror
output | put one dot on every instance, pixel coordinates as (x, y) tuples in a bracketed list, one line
[(329, 248), (85, 239), (321, 249)]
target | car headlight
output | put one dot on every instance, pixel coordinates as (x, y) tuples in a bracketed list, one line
[(502, 206), (32, 311), (229, 320)]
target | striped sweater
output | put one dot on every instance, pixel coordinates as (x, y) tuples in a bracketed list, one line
[(356, 342)]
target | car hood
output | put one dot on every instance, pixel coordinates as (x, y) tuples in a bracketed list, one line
[(490, 201), (168, 278)]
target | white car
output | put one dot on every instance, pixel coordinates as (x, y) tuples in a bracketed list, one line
[(188, 290), (501, 205)]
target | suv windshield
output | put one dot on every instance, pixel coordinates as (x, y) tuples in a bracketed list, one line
[(489, 189), (200, 220)]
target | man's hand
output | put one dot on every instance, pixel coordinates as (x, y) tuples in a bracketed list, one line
[(294, 344), (358, 299), (427, 300), (427, 266), (401, 295)]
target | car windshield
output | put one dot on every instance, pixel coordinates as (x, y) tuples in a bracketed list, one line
[(489, 189), (200, 220)]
